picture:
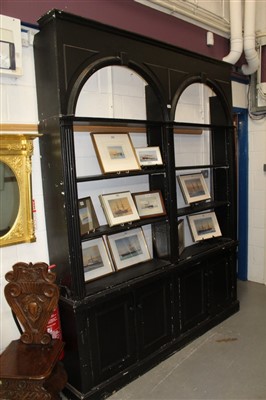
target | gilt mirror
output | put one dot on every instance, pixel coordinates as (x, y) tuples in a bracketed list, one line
[(16, 221)]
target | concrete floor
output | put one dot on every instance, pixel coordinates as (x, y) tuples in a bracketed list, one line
[(226, 363)]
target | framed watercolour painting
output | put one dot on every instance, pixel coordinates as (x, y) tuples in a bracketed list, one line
[(149, 204), (194, 188), (128, 248), (149, 155), (96, 261), (115, 152), (204, 226), (119, 208), (87, 216)]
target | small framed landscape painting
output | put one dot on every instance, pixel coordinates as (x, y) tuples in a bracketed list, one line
[(149, 204), (204, 226), (194, 188), (119, 208), (128, 248), (87, 216), (115, 152), (149, 155), (96, 261)]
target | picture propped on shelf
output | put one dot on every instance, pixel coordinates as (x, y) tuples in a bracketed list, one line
[(149, 204), (115, 152), (204, 226), (194, 188), (149, 155), (181, 236), (128, 248), (119, 208), (87, 216), (96, 261), (161, 239)]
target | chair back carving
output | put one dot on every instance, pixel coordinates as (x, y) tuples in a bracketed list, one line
[(32, 295)]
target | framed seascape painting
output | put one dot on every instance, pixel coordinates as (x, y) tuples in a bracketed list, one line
[(119, 208), (115, 152), (204, 226), (194, 188), (96, 261), (128, 248), (87, 216), (149, 204), (149, 155)]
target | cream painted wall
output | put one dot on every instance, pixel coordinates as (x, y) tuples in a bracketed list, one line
[(257, 201)]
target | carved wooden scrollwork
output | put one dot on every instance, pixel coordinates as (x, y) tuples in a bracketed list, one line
[(25, 390), (32, 295)]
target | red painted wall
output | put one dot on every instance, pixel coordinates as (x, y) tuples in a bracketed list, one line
[(125, 14)]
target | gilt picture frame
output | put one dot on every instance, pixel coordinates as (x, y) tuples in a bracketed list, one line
[(204, 226), (128, 248), (149, 204), (194, 188), (119, 208), (96, 261), (115, 152)]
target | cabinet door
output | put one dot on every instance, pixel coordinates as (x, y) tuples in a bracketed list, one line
[(113, 336), (193, 297), (221, 282), (153, 304)]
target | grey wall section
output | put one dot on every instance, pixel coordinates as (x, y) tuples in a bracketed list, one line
[(125, 14)]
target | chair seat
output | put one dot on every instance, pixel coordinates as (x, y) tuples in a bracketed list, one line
[(32, 372), (23, 361)]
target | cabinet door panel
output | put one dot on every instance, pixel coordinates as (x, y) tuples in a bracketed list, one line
[(193, 297), (154, 316), (113, 337), (220, 282)]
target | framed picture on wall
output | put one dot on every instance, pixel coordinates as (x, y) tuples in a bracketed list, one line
[(96, 261), (115, 152), (119, 208), (149, 155), (128, 248), (87, 216), (204, 226), (149, 204), (194, 188)]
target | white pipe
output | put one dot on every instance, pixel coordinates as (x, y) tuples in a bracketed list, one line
[(236, 39), (249, 39)]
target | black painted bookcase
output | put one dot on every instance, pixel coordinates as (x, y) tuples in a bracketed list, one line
[(120, 325)]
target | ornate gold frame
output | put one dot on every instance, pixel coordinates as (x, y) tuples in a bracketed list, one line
[(16, 151)]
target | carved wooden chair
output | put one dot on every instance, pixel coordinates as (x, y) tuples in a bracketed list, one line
[(30, 367)]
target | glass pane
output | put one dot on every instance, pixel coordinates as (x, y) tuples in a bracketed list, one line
[(113, 92), (193, 105), (9, 198)]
